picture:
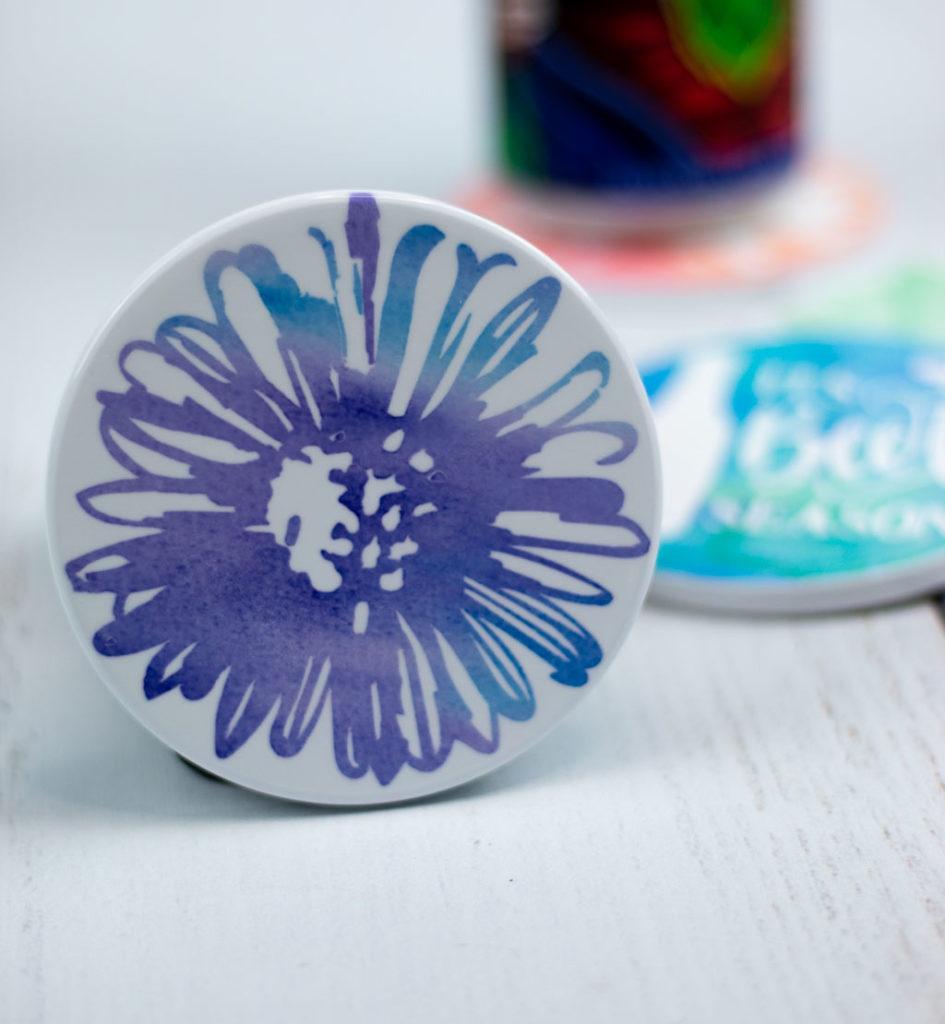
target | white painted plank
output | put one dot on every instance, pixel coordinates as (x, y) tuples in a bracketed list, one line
[(743, 823)]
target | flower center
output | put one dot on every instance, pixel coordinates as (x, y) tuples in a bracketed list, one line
[(325, 509), (306, 515)]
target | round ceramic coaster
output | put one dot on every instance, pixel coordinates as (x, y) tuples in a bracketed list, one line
[(802, 475), (823, 211), (353, 498)]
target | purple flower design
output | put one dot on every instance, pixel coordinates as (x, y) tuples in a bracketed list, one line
[(317, 539)]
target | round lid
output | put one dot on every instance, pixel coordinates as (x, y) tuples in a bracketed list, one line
[(353, 498), (803, 474)]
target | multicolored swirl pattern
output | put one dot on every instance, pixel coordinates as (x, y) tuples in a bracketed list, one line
[(647, 96)]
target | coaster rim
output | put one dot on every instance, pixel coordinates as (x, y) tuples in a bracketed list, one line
[(427, 784)]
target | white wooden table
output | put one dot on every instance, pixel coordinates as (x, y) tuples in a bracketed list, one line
[(743, 823)]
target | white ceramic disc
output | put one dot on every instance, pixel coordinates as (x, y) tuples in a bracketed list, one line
[(353, 498), (803, 474)]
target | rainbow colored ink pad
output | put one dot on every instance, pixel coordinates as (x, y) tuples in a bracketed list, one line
[(353, 498)]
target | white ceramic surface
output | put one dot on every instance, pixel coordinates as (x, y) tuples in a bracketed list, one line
[(353, 498)]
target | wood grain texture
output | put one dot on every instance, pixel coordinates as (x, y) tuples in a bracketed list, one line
[(743, 822)]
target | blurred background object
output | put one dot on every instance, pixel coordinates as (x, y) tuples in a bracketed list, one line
[(906, 302), (824, 212), (803, 472), (126, 128), (632, 115)]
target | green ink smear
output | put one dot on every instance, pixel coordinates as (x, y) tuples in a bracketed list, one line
[(908, 301)]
